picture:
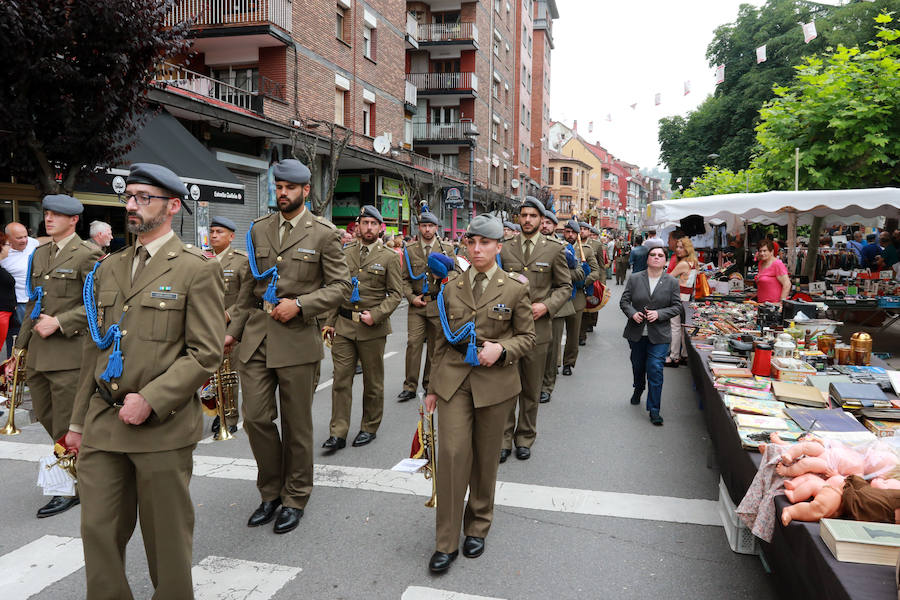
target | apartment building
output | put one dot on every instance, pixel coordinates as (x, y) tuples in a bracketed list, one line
[(545, 12), (569, 181)]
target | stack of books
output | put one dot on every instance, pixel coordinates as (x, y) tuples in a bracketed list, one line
[(796, 393), (855, 396), (861, 542)]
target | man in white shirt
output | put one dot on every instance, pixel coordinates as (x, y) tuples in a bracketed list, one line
[(653, 241), (21, 247)]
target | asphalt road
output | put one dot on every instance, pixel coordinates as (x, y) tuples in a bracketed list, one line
[(554, 536)]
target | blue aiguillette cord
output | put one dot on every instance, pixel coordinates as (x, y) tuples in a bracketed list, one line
[(409, 268), (271, 296), (457, 336), (113, 335), (36, 294)]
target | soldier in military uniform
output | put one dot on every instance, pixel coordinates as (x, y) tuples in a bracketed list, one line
[(558, 321), (473, 402), (154, 314), (236, 272), (301, 274), (360, 328), (54, 335), (590, 236), (542, 261), (590, 270), (621, 259), (420, 288)]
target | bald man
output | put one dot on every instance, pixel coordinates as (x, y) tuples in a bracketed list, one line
[(21, 247)]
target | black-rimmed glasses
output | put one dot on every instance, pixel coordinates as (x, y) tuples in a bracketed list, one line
[(140, 198)]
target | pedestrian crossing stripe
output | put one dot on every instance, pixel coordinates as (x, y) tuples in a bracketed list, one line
[(219, 578), (511, 495), (424, 593), (37, 565)]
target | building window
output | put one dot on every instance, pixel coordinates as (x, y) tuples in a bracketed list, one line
[(495, 130), (497, 5), (495, 89), (565, 176), (242, 78), (367, 119), (550, 175), (369, 42), (339, 97), (341, 23)]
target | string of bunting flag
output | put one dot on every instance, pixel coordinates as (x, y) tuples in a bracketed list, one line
[(809, 34)]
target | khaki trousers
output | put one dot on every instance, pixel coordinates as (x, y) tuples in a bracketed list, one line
[(468, 443), (344, 353), (573, 328), (53, 396), (115, 489), (421, 330), (523, 430), (552, 362), (284, 462)]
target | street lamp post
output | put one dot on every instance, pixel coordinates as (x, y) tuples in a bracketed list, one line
[(471, 134)]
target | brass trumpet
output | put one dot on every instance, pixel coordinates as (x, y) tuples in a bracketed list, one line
[(429, 440), (14, 390), (218, 397)]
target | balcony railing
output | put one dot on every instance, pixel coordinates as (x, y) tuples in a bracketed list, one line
[(444, 82), (184, 79), (448, 32), (412, 30), (437, 166), (411, 94), (443, 131), (204, 13)]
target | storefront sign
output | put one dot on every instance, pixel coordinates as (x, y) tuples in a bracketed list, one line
[(453, 198)]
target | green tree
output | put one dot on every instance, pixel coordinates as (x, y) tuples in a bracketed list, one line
[(725, 124), (76, 80), (715, 181)]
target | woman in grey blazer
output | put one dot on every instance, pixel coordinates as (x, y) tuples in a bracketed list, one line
[(650, 299)]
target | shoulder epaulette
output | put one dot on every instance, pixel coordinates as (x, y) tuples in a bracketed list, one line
[(264, 217), (326, 222), (192, 249), (555, 239), (453, 275), (351, 244), (518, 277), (240, 252)]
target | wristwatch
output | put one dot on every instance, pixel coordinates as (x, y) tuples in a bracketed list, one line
[(300, 306)]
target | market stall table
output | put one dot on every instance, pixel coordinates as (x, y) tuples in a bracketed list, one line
[(797, 556)]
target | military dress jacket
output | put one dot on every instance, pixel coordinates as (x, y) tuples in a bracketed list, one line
[(580, 300), (172, 332), (379, 292), (419, 262), (62, 279), (502, 315), (236, 272), (311, 268), (548, 276), (600, 253)]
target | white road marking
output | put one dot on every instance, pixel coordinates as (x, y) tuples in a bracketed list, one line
[(513, 495), (35, 566), (389, 354), (211, 439), (415, 592), (324, 385), (221, 578)]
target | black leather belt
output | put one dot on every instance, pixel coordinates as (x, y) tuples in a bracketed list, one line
[(349, 314), (107, 397)]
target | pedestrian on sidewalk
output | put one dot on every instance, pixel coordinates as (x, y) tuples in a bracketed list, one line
[(685, 271), (650, 300), (7, 289)]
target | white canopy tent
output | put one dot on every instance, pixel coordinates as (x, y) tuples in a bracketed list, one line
[(782, 208)]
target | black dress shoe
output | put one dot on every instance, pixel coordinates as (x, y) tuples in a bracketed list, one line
[(545, 397), (672, 364), (504, 454), (590, 329), (656, 419), (582, 342), (288, 519), (215, 425), (405, 395), (264, 513), (440, 561), (334, 443), (636, 396), (232, 429), (523, 453), (473, 547), (363, 438), (57, 505), (567, 370), (358, 369)]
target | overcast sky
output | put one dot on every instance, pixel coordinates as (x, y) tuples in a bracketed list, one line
[(610, 54)]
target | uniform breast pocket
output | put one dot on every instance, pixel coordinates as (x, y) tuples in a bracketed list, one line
[(162, 316), (263, 258), (106, 305), (375, 275), (306, 263), (499, 321)]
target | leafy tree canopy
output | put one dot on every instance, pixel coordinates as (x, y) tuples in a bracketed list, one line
[(76, 78), (724, 125), (716, 181)]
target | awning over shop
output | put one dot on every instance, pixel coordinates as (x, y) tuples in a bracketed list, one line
[(164, 141)]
